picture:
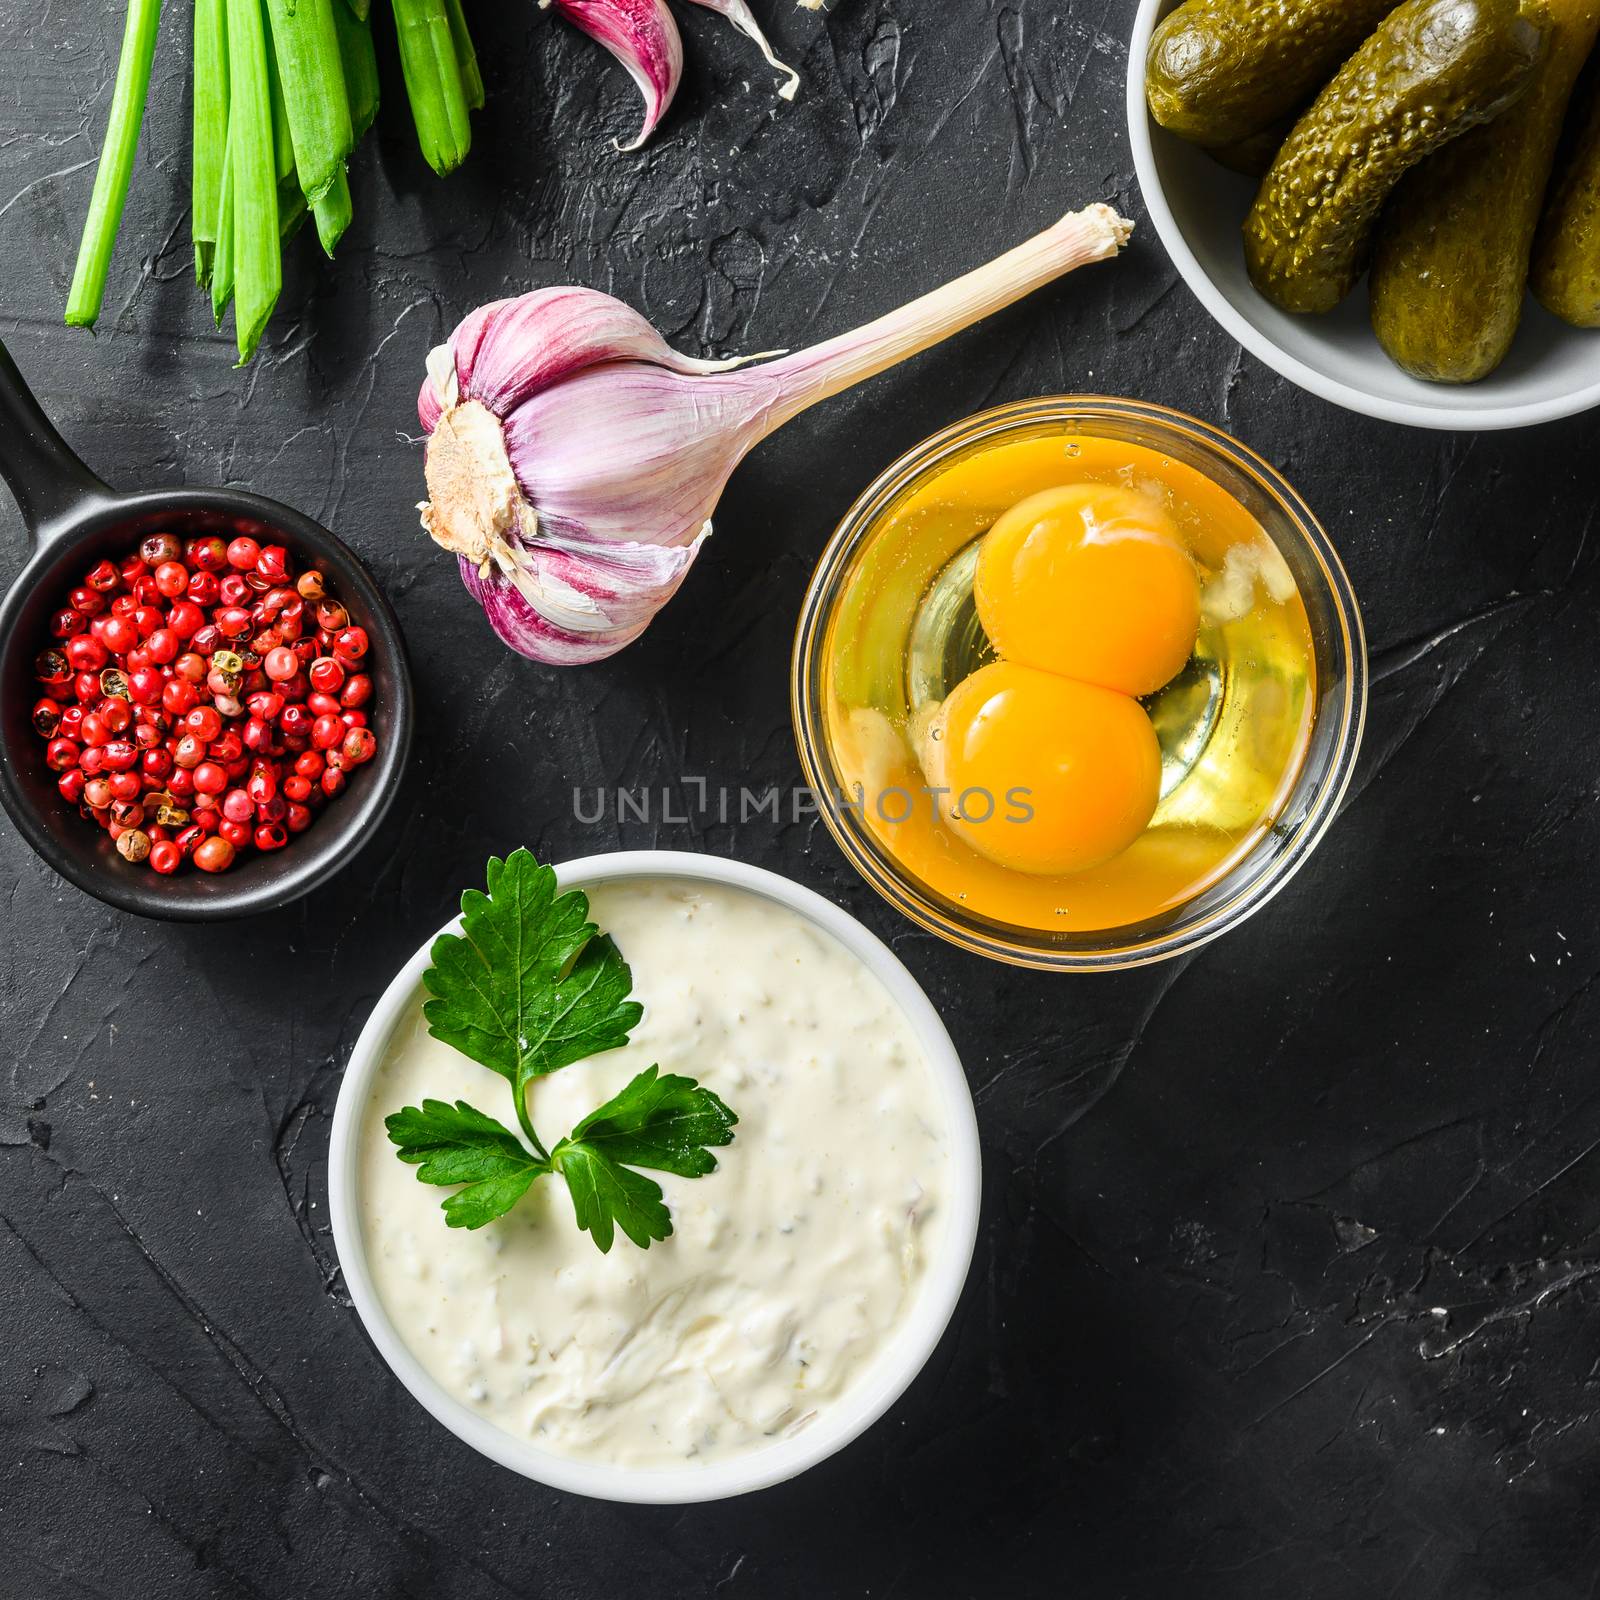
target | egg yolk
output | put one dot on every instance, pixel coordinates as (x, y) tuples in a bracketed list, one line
[(1090, 581), (1045, 774)]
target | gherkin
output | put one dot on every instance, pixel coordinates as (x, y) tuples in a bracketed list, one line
[(1222, 71), (1431, 72)]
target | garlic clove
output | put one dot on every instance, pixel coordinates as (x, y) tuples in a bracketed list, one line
[(570, 602), (739, 14), (643, 37), (508, 350), (529, 633), (632, 452), (586, 586)]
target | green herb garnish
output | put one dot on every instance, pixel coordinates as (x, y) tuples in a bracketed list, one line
[(285, 85), (529, 986)]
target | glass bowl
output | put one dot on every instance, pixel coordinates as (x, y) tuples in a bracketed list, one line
[(1313, 793)]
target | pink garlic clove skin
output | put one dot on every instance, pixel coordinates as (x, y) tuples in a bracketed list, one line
[(585, 584), (629, 461), (571, 580), (643, 37), (579, 499), (577, 576), (508, 350), (569, 608), (631, 452), (524, 630)]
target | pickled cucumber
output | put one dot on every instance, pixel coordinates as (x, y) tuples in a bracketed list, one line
[(1450, 265), (1221, 71), (1432, 70), (1566, 252), (1254, 155)]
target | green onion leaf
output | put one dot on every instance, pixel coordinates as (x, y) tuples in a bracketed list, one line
[(210, 130), (116, 164), (292, 209), (466, 55), (333, 213), (257, 262), (360, 59), (222, 266), (282, 139), (307, 46), (433, 83)]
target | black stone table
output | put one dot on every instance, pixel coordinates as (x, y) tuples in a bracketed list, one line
[(1289, 1276)]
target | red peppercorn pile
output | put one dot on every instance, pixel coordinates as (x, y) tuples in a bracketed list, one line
[(203, 700)]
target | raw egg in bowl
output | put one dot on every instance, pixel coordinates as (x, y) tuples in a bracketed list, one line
[(1079, 683)]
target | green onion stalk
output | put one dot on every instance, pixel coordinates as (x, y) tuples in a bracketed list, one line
[(210, 131), (252, 157), (434, 82), (116, 164), (284, 90)]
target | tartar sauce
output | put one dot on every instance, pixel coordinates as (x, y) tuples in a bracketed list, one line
[(789, 1268)]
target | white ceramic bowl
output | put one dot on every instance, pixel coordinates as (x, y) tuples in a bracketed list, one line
[(879, 1387), (1198, 207)]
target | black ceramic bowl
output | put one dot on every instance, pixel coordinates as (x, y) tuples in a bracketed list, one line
[(73, 521)]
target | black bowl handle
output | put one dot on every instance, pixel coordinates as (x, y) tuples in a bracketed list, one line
[(52, 486)]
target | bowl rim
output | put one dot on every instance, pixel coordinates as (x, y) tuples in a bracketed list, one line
[(1445, 418), (886, 1379), (811, 628), (310, 860)]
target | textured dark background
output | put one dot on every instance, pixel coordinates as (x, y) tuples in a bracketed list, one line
[(1289, 1279)]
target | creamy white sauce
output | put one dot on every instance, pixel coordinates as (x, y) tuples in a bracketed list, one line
[(790, 1267)]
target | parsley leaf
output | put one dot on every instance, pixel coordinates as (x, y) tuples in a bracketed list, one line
[(660, 1123), (458, 1144), (606, 1196), (529, 986)]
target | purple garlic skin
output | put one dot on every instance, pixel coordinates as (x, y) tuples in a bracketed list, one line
[(573, 463), (643, 37), (574, 458)]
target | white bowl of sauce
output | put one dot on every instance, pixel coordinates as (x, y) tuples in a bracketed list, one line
[(807, 1280)]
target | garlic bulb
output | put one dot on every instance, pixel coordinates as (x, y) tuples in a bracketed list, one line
[(574, 458)]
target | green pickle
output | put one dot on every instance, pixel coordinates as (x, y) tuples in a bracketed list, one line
[(1221, 72), (1253, 156), (1450, 265), (1434, 70), (1566, 252)]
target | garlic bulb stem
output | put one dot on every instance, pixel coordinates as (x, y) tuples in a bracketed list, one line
[(808, 376), (576, 460)]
